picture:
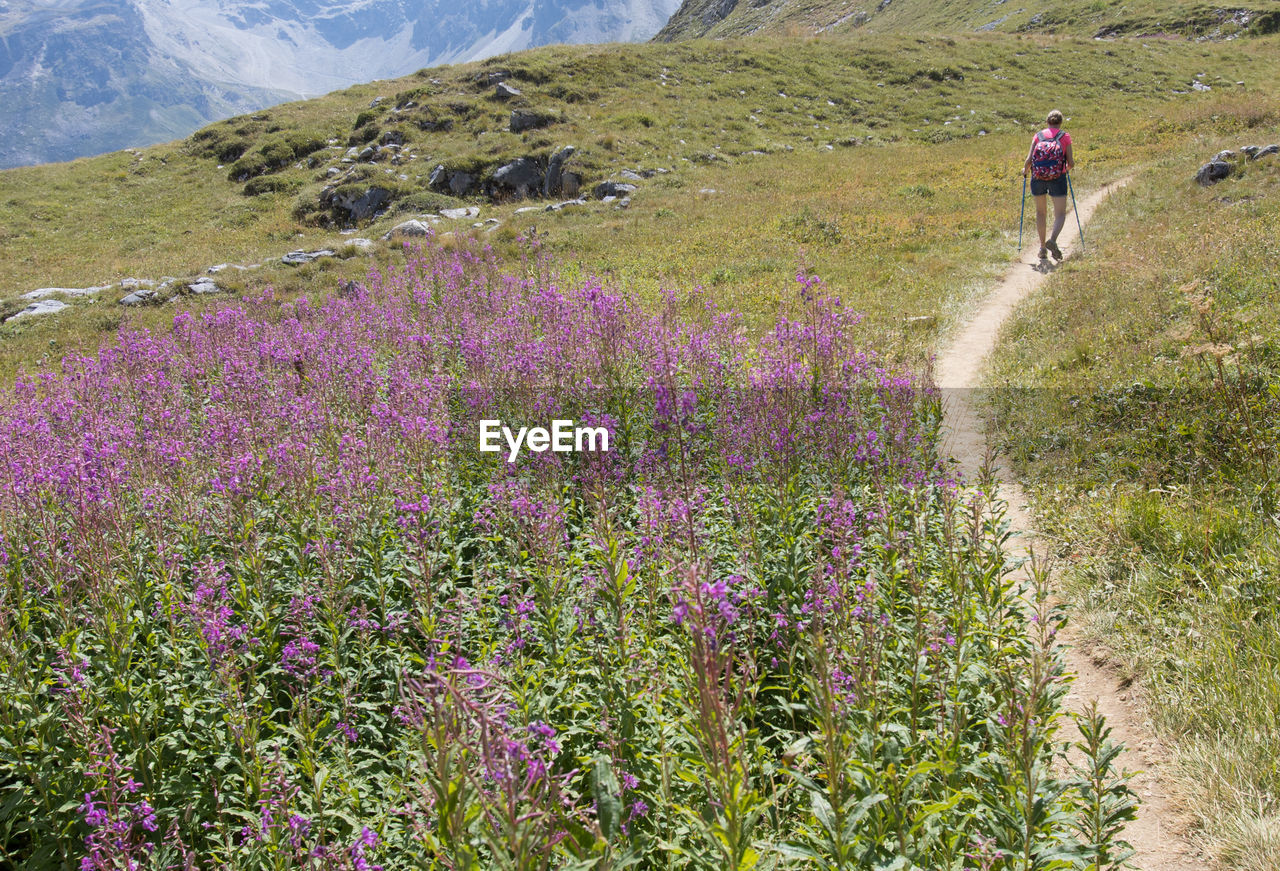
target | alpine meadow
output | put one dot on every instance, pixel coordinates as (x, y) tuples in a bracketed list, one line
[(667, 455)]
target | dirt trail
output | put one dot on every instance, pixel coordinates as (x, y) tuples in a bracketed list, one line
[(1157, 833)]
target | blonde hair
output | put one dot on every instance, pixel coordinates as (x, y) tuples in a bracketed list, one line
[(1055, 118)]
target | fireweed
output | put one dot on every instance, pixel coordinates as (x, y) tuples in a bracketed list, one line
[(296, 619)]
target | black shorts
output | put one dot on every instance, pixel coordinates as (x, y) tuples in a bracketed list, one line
[(1054, 187)]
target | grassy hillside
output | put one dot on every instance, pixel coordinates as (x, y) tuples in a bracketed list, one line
[(1139, 396), (1094, 18), (812, 147)]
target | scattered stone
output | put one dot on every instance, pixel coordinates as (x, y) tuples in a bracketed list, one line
[(493, 77), (519, 178), (42, 292), (204, 285), (139, 297), (608, 199), (136, 283), (523, 119), (1268, 151), (353, 151), (556, 207), (503, 91), (44, 307), (1228, 154), (923, 321), (1213, 172), (555, 171), (375, 102), (361, 245), (521, 211), (223, 267), (297, 258), (624, 203), (708, 191), (393, 137), (1200, 86), (332, 171), (612, 189), (461, 213), (367, 152), (409, 228), (1250, 150), (631, 175)]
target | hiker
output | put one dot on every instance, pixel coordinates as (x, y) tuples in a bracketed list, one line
[(1048, 163)]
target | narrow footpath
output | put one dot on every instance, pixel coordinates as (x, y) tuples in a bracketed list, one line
[(1157, 833)]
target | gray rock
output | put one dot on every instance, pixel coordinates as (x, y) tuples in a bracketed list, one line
[(624, 203), (392, 137), (332, 171), (461, 183), (42, 292), (367, 152), (1250, 150), (503, 91), (1212, 172), (297, 258), (523, 119), (1228, 154), (460, 214), (1268, 151), (362, 207), (375, 102), (223, 267), (631, 175), (555, 171), (439, 176), (204, 285), (612, 189), (44, 307), (519, 178), (556, 207), (570, 183), (139, 297), (136, 283), (409, 228), (362, 246), (493, 77)]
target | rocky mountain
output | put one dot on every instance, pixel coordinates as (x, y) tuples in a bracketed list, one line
[(1198, 19), (80, 77)]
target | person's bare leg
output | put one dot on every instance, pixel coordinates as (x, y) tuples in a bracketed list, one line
[(1041, 220), (1059, 218)]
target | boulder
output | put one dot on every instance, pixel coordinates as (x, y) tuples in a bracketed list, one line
[(367, 153), (363, 206), (519, 178), (142, 296), (43, 307), (409, 228), (503, 91), (554, 181), (570, 184), (1213, 172), (204, 285), (1268, 151), (1251, 151), (297, 258), (461, 183), (524, 119), (612, 189), (42, 292)]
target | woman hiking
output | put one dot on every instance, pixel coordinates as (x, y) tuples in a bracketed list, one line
[(1048, 163)]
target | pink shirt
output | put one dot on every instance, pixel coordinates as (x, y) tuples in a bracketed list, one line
[(1065, 138)]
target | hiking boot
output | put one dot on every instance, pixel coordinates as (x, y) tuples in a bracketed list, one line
[(1044, 252), (1053, 249)]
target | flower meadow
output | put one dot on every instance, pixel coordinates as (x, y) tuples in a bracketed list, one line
[(265, 605)]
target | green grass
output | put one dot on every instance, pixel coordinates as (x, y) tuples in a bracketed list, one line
[(1090, 18), (843, 123), (1141, 402)]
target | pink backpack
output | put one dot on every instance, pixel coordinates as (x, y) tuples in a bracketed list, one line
[(1048, 157)]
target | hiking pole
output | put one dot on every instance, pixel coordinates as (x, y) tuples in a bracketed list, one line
[(1077, 212), (1023, 212)]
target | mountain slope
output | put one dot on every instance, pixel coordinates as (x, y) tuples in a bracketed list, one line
[(80, 77), (725, 18)]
